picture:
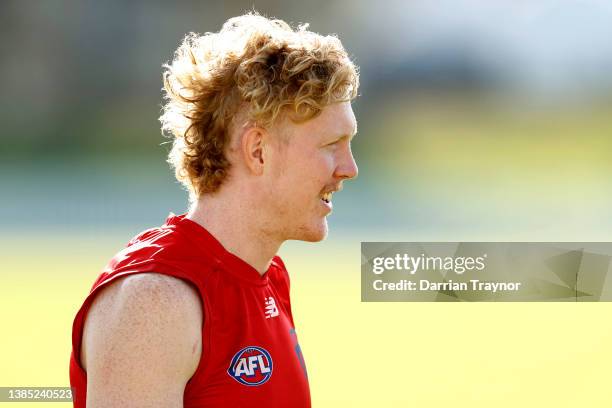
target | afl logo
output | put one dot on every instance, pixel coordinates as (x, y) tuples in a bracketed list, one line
[(251, 366)]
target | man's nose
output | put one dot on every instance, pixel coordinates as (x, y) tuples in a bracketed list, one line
[(347, 169)]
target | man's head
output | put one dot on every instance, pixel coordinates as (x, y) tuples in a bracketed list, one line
[(265, 107)]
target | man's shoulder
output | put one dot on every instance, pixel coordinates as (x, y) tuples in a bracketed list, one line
[(159, 248), (142, 340), (158, 237), (142, 306), (158, 286), (148, 292)]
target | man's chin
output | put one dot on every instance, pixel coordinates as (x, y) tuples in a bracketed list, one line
[(314, 233)]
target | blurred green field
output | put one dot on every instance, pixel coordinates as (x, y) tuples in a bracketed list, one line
[(358, 354), (464, 168)]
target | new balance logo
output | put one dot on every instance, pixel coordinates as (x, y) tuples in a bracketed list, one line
[(271, 309)]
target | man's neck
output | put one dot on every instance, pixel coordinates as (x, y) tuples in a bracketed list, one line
[(235, 226)]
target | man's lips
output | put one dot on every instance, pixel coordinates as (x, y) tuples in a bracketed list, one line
[(327, 193), (327, 197), (327, 204)]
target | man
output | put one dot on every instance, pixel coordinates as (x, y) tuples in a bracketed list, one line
[(196, 313)]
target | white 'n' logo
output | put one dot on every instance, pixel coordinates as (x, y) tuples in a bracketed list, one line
[(271, 309)]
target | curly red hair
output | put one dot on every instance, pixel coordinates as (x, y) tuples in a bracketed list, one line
[(256, 62)]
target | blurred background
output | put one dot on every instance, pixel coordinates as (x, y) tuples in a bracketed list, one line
[(478, 121)]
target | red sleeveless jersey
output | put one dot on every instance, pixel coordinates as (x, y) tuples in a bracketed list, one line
[(250, 353)]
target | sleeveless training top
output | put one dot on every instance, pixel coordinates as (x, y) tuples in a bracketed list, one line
[(250, 353)]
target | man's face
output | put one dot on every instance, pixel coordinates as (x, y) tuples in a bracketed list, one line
[(312, 161)]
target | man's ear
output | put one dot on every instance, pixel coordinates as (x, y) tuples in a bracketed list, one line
[(252, 149)]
